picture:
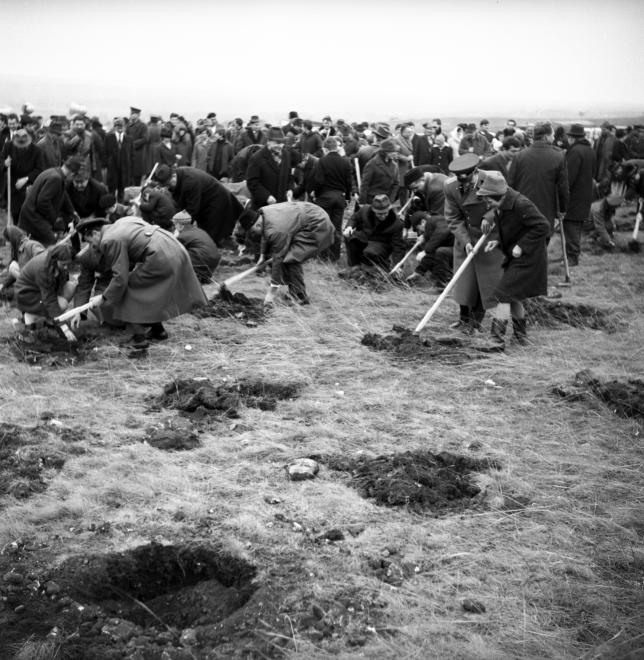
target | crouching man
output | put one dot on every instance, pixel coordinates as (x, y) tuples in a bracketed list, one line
[(374, 235), (203, 251), (152, 277), (291, 233)]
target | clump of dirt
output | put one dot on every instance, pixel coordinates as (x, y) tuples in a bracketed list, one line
[(47, 347), (173, 435), (233, 305), (552, 313), (157, 600), (374, 279), (29, 454), (200, 397), (624, 398), (420, 481), (405, 346)]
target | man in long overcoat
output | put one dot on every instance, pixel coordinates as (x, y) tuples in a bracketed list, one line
[(291, 233), (152, 277), (380, 175), (119, 156), (520, 231), (464, 211), (210, 204), (26, 163), (138, 131), (46, 200), (580, 162), (539, 172)]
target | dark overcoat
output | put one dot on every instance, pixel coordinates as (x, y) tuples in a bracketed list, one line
[(580, 161), (212, 206), (294, 232), (35, 292), (203, 252), (138, 131), (369, 229), (265, 178), (118, 160), (539, 172), (519, 222), (422, 149), (51, 149), (152, 277), (464, 213), (46, 200), (379, 177)]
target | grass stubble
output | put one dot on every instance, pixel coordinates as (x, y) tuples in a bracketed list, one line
[(553, 548)]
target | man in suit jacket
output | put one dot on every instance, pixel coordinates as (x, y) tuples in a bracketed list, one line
[(119, 154), (502, 161), (539, 172), (50, 145), (422, 145)]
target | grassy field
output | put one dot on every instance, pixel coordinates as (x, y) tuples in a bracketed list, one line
[(551, 548)]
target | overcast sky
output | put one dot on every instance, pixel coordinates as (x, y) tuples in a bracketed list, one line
[(360, 59)]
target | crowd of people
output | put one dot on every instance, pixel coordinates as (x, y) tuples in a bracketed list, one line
[(156, 202)]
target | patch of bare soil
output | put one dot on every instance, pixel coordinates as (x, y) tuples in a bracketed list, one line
[(177, 434), (421, 481), (199, 397), (150, 602), (29, 454), (405, 346), (226, 304), (374, 279), (624, 398), (552, 313), (47, 347)]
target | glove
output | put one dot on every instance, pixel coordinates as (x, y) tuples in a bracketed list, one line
[(468, 248), (490, 245), (348, 232), (420, 256), (96, 301), (70, 336), (516, 251), (74, 322)]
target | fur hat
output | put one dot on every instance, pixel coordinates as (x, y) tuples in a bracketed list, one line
[(182, 218), (414, 174), (381, 203), (494, 183)]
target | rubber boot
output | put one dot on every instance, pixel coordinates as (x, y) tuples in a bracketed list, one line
[(476, 318), (520, 334), (497, 332)]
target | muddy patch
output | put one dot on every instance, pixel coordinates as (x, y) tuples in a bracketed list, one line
[(47, 347), (237, 306), (420, 481), (159, 600), (199, 397), (553, 313), (373, 279), (177, 434), (405, 346), (29, 456), (624, 398)]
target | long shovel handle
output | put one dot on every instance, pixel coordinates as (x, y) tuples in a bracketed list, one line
[(358, 178), (563, 248), (638, 221), (240, 276), (70, 313), (450, 285), (9, 216), (404, 259), (137, 200)]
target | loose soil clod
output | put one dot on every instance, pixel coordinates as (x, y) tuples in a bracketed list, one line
[(233, 305), (552, 313), (47, 347), (421, 481), (200, 397), (404, 345), (625, 399), (173, 435)]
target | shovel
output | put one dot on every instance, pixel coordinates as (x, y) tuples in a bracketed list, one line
[(9, 216), (400, 264), (240, 276), (567, 281)]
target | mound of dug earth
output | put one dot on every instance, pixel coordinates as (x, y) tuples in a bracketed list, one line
[(404, 345), (199, 396), (154, 601), (624, 398), (233, 305), (552, 313), (47, 347), (421, 481)]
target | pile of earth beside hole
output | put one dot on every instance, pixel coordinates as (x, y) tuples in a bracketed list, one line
[(420, 481), (199, 397), (27, 454), (152, 599), (48, 347), (553, 313), (176, 434), (624, 398), (405, 346), (233, 305)]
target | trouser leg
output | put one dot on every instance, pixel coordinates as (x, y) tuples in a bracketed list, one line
[(355, 249), (572, 232), (293, 276)]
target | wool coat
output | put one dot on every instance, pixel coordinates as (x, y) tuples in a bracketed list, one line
[(539, 172), (464, 213), (220, 155), (422, 149), (203, 252), (152, 277), (239, 163), (247, 137), (519, 222), (379, 177), (158, 207), (369, 229), (35, 291), (138, 131), (292, 233), (580, 162), (441, 157), (86, 202), (604, 156), (51, 149), (154, 142), (212, 206), (118, 159), (496, 163), (265, 178), (46, 200), (23, 249), (432, 193), (167, 155)]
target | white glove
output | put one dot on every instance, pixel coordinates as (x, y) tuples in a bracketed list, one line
[(468, 248), (516, 251), (490, 245), (420, 256), (74, 322), (270, 294), (96, 301), (348, 231), (68, 333)]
